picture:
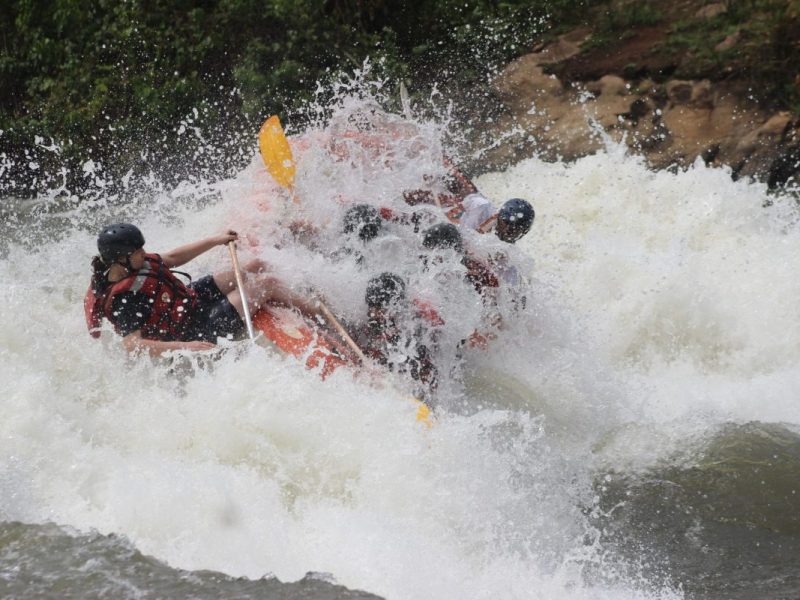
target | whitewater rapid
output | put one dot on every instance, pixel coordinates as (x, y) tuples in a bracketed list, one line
[(663, 306)]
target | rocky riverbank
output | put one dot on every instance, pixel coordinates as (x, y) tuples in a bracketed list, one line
[(564, 95)]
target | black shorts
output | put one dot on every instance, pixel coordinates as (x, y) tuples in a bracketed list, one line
[(215, 316)]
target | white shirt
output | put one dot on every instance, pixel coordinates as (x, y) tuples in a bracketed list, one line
[(478, 209)]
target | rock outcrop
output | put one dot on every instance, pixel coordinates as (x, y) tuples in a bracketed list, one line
[(671, 123)]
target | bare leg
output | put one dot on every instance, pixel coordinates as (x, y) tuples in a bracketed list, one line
[(264, 289), (226, 280), (260, 289)]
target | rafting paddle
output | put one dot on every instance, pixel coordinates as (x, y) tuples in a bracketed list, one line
[(277, 156), (240, 284), (341, 330), (276, 153)]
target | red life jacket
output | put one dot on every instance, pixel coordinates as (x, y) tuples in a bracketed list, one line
[(457, 186), (173, 304), (480, 275), (425, 310)]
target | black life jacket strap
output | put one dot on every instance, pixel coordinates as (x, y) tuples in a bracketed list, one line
[(189, 277)]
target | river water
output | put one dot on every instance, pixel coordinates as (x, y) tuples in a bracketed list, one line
[(633, 433)]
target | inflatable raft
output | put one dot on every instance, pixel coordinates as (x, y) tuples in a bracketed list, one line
[(302, 337)]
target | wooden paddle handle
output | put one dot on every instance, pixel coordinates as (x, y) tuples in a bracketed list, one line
[(341, 330), (240, 284)]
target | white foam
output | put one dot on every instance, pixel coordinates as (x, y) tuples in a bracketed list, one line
[(661, 304)]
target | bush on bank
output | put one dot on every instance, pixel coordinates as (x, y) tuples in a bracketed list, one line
[(150, 85), (178, 87)]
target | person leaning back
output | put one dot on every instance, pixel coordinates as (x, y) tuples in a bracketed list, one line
[(153, 310)]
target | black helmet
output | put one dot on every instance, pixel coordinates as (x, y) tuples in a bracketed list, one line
[(443, 235), (385, 289), (117, 240), (514, 219), (364, 220)]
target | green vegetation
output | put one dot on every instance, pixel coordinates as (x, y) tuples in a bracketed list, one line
[(633, 14), (620, 20), (144, 85), (765, 54), (753, 42), (177, 87)]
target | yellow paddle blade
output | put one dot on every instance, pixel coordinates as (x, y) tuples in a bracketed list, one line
[(423, 413), (275, 152)]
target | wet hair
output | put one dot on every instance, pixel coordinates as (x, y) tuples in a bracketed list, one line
[(99, 275), (364, 220)]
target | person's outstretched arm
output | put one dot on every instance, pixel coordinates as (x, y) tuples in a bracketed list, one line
[(183, 254), (458, 183), (134, 342)]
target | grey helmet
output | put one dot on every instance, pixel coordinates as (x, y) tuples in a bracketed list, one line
[(514, 219), (363, 220), (384, 290), (118, 240), (443, 236)]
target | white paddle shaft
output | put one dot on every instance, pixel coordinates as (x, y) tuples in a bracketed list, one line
[(240, 284)]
